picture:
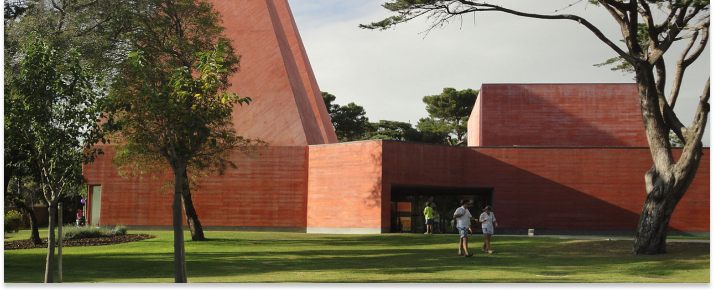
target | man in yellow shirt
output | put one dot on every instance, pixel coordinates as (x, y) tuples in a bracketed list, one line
[(429, 215)]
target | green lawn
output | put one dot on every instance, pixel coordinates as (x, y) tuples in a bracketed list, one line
[(253, 257)]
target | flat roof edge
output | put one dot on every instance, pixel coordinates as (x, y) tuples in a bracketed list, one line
[(486, 147)]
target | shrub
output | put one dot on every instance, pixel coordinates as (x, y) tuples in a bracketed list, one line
[(73, 231), (13, 221), (76, 232), (120, 230)]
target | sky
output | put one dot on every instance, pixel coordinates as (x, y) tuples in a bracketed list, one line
[(389, 72)]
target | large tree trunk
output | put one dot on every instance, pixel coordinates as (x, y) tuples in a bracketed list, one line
[(35, 233), (49, 267), (662, 198), (194, 225), (666, 182), (651, 235), (179, 250)]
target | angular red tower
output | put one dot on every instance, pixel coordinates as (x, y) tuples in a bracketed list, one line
[(287, 107), (603, 115)]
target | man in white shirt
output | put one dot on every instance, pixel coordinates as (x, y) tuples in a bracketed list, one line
[(462, 217)]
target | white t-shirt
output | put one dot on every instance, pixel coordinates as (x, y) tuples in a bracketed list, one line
[(462, 221), (488, 220)]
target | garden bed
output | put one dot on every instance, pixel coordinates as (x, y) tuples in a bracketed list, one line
[(99, 241)]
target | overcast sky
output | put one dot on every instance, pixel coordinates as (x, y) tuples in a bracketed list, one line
[(388, 72)]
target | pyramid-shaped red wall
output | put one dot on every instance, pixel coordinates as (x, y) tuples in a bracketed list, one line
[(287, 107)]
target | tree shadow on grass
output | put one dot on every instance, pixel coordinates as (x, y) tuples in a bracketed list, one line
[(369, 258), (376, 240)]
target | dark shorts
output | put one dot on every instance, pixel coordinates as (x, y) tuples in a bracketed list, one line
[(429, 222)]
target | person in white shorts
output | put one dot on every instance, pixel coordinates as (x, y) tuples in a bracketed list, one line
[(488, 224), (462, 217)]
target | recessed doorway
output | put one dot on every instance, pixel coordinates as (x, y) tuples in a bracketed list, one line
[(408, 202)]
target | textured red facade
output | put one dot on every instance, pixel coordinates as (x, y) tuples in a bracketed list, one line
[(555, 115), (269, 190), (549, 188), (345, 188)]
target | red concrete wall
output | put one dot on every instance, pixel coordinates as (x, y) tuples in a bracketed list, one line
[(265, 191), (345, 187), (557, 115), (275, 73), (127, 201), (548, 188)]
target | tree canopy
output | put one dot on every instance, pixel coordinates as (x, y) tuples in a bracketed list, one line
[(452, 108), (394, 130), (95, 28), (171, 34)]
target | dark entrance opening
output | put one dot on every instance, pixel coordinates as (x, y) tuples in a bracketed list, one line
[(408, 202)]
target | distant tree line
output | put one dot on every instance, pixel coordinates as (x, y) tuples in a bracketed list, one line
[(447, 123)]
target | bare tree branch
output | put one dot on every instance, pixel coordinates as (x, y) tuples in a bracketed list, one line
[(674, 30), (652, 31), (619, 5), (664, 24), (685, 61), (583, 21), (694, 136)]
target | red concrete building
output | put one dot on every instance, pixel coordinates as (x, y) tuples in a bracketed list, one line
[(558, 158)]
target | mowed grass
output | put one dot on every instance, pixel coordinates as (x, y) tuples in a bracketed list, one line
[(257, 257)]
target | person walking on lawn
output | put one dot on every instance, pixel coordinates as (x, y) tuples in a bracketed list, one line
[(429, 216), (488, 224), (462, 217)]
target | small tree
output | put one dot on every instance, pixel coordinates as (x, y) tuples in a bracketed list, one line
[(52, 112), (661, 23), (171, 33), (186, 120)]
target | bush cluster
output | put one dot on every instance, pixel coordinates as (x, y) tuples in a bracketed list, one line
[(13, 221), (119, 230), (73, 231)]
